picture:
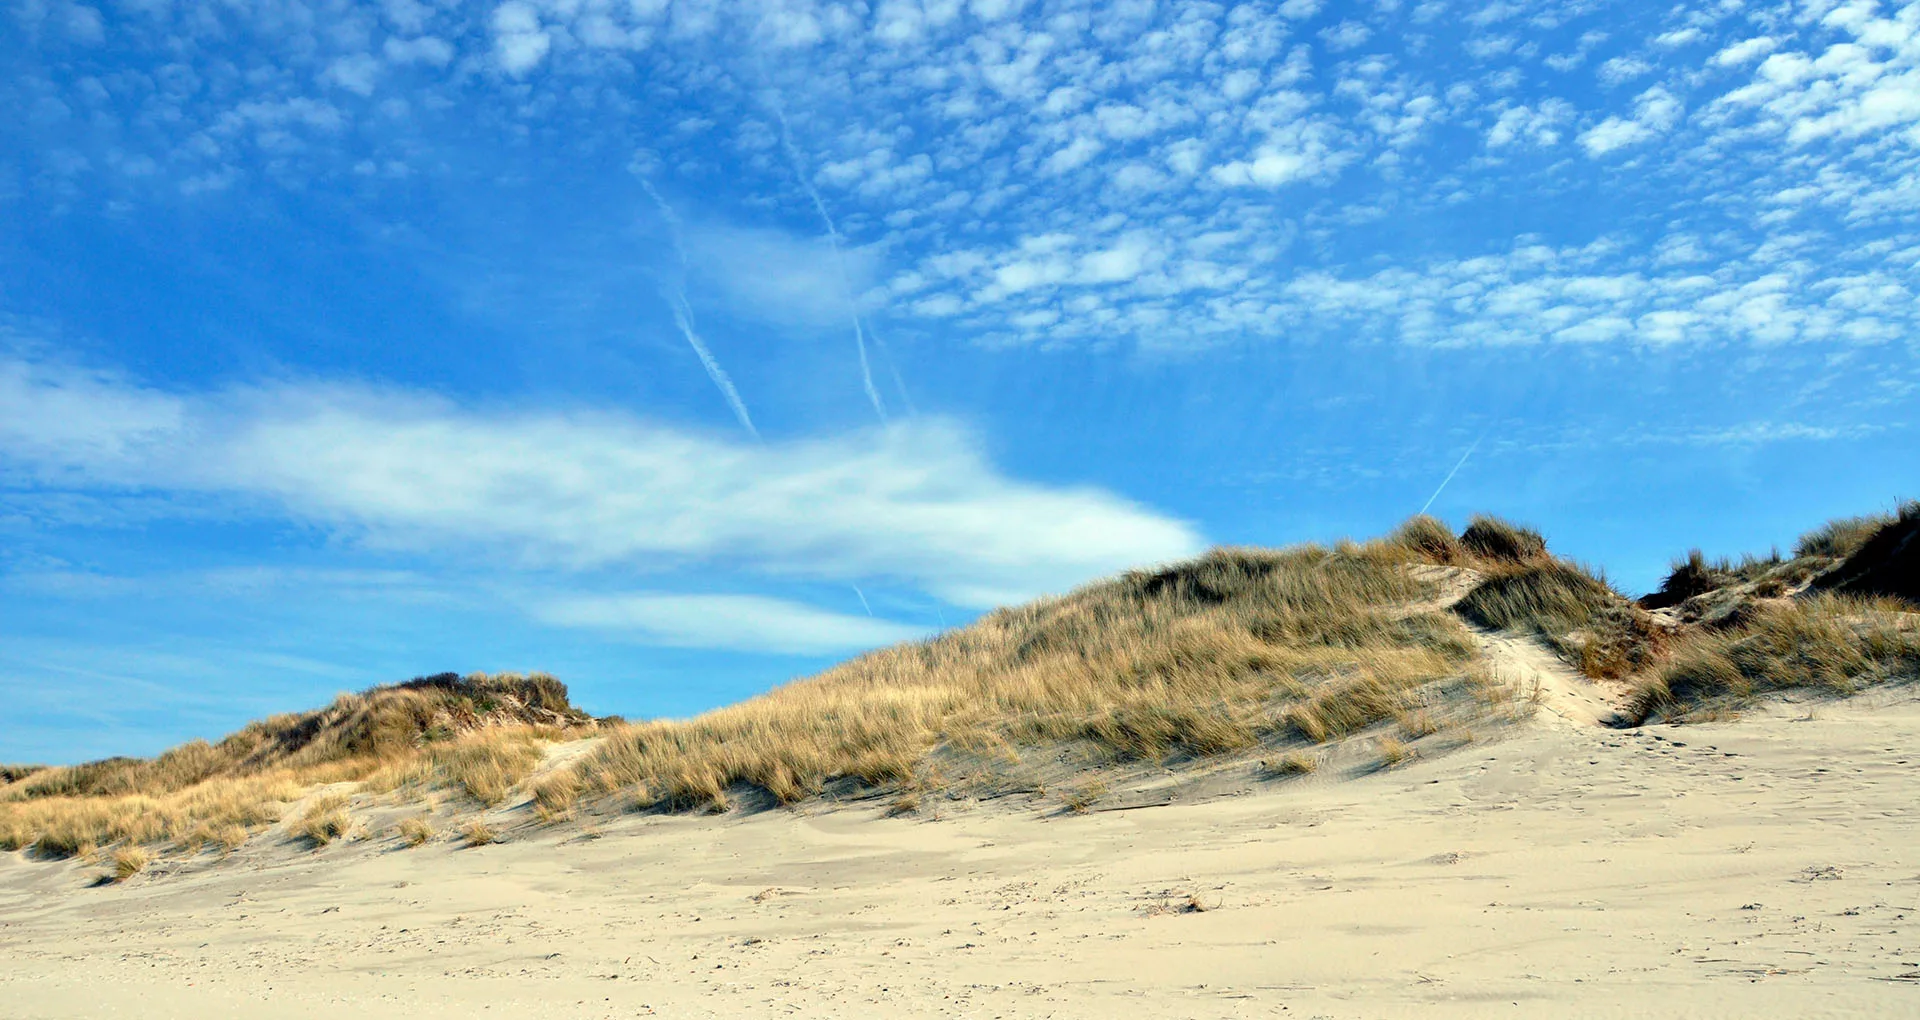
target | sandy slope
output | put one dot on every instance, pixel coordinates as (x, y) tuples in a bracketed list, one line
[(1766, 867)]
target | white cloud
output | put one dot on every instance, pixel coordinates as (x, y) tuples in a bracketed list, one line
[(1530, 125), (519, 42), (1678, 37), (1594, 294), (917, 504), (356, 73), (751, 623), (426, 49), (1123, 261), (776, 276), (1620, 70), (1745, 51), (1075, 155), (74, 417), (1656, 111), (1346, 35)]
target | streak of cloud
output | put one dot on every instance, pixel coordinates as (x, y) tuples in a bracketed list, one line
[(839, 258), (676, 295), (1456, 470)]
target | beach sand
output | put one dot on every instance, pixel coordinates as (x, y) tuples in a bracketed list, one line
[(1769, 866)]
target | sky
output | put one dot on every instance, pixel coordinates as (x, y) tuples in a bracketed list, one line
[(683, 347)]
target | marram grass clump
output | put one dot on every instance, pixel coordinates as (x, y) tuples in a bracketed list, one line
[(1831, 644)]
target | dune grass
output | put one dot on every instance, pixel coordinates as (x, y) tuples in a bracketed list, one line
[(324, 820), (1832, 644), (1842, 536), (64, 826), (554, 795), (487, 763), (1239, 648), (479, 734), (1493, 539), (1292, 763), (1577, 612), (476, 832), (129, 861), (416, 831)]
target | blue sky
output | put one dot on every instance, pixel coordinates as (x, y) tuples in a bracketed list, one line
[(680, 347)]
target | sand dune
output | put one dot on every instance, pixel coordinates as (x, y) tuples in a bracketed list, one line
[(1769, 866)]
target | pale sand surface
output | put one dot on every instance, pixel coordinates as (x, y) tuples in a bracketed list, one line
[(1769, 867)]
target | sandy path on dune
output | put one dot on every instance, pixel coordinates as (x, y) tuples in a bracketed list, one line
[(1766, 867)]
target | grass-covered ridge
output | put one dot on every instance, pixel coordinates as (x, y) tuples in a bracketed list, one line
[(1239, 648), (446, 731)]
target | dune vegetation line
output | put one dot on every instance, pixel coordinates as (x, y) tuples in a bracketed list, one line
[(1271, 654)]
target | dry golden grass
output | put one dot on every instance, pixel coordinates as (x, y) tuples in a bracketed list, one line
[(1238, 648), (415, 831), (15, 773), (1834, 644), (487, 763), (63, 826), (554, 795), (1394, 752), (478, 833), (1082, 796), (1292, 763), (479, 734), (324, 820), (129, 861)]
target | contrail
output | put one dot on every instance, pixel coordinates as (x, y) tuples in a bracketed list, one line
[(683, 317), (893, 369), (863, 598), (1450, 474), (676, 295), (839, 258)]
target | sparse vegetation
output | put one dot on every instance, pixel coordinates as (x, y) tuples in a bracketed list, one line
[(229, 837), (1418, 724), (1575, 611), (324, 821), (1081, 797), (554, 795), (1394, 752), (1292, 763), (477, 832), (129, 861), (415, 831)]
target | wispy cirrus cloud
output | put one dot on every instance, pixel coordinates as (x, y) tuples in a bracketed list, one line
[(917, 504)]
